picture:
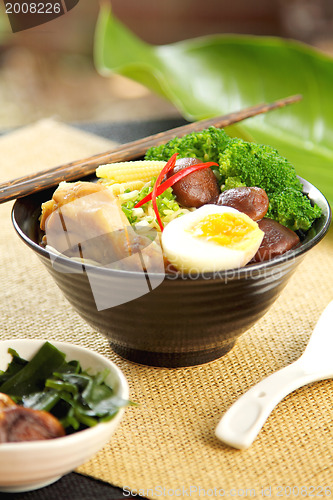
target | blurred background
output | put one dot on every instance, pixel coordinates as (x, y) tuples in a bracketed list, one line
[(48, 71)]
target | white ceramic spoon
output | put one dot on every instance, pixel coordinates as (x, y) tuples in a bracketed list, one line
[(241, 424)]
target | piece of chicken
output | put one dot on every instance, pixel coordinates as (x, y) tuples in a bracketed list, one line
[(85, 220)]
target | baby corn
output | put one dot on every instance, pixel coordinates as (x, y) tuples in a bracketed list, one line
[(142, 170)]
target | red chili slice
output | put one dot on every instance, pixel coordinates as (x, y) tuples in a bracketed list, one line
[(170, 164)]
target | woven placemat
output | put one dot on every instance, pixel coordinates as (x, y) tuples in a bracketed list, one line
[(166, 445)]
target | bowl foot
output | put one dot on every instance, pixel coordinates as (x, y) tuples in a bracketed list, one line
[(28, 487), (171, 360)]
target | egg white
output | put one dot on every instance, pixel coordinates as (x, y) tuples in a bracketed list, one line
[(191, 254)]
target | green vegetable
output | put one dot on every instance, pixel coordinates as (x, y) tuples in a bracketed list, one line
[(14, 366), (166, 201), (47, 382), (128, 206), (251, 164), (244, 163), (206, 146), (218, 74), (292, 209), (32, 376)]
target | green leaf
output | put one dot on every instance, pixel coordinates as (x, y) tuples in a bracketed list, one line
[(215, 75), (13, 367), (41, 400), (32, 376)]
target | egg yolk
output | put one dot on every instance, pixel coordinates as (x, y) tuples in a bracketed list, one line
[(227, 229)]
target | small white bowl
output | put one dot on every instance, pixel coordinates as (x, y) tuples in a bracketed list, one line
[(30, 465)]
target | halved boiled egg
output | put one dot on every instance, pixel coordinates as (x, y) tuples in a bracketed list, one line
[(212, 238)]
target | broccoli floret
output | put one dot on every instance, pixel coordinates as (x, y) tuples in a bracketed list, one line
[(256, 165), (231, 182), (292, 209), (206, 145)]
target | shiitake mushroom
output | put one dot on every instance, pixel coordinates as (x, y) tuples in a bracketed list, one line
[(25, 424), (197, 188), (277, 240), (252, 201)]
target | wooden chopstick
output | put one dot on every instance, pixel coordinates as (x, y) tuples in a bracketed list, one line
[(43, 179)]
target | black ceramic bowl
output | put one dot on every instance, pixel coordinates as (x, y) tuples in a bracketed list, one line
[(182, 322)]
